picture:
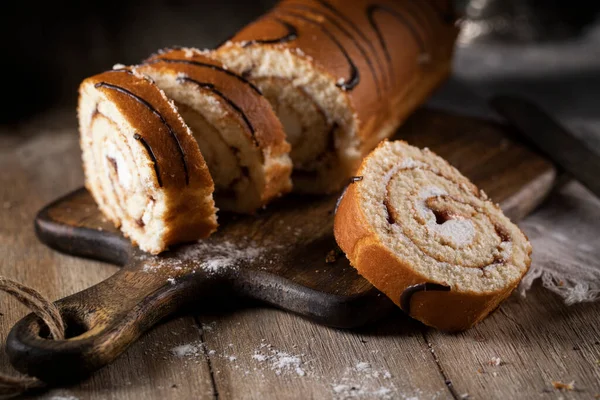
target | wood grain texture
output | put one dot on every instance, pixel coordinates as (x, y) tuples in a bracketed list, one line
[(285, 357), (43, 164), (280, 259)]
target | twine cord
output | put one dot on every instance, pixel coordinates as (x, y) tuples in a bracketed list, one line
[(45, 310)]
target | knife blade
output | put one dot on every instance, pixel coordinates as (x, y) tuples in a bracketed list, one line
[(551, 138)]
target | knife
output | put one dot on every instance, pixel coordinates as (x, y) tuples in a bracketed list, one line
[(549, 137)]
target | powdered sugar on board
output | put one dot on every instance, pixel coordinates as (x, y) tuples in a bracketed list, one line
[(280, 362), (209, 257), (358, 379), (364, 381), (62, 397)]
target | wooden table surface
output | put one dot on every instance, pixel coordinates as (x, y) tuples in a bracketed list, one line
[(259, 353)]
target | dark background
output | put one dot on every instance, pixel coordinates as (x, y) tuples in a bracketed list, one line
[(49, 47)]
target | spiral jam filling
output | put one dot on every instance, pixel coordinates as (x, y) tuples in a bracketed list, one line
[(239, 136), (437, 223), (230, 174), (308, 130), (444, 219), (113, 157)]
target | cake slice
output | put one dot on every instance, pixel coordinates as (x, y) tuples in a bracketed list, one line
[(342, 76), (425, 236), (239, 135), (142, 165)]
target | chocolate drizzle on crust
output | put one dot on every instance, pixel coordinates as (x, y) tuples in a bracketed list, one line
[(354, 78), (212, 89), (348, 21), (352, 180), (291, 34), (371, 10), (138, 137), (162, 119), (207, 65), (409, 292), (351, 37)]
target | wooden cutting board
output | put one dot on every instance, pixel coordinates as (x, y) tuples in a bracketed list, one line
[(285, 256)]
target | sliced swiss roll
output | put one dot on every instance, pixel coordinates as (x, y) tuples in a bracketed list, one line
[(142, 164), (343, 75), (425, 236), (239, 135)]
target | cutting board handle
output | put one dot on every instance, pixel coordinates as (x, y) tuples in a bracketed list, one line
[(102, 322)]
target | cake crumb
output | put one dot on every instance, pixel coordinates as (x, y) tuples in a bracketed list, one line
[(362, 366), (333, 256), (496, 362), (187, 350), (281, 362), (563, 386)]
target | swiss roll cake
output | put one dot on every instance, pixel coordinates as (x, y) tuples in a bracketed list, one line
[(342, 75)]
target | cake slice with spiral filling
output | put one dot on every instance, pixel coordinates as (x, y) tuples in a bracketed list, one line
[(239, 135), (343, 75), (142, 165), (425, 236)]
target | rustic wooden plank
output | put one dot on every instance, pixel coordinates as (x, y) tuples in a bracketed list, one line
[(36, 166), (292, 236), (332, 358), (167, 363), (264, 353), (538, 338)]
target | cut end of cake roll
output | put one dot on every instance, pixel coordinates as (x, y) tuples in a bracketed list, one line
[(239, 135), (316, 115), (424, 235), (141, 163), (342, 78)]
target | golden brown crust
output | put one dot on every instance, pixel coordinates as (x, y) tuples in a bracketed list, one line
[(386, 56), (180, 174), (446, 310), (156, 133), (267, 128), (250, 109)]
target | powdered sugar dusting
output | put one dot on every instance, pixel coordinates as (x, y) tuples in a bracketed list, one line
[(188, 53), (364, 381), (209, 257), (360, 379), (188, 350), (279, 361), (459, 232)]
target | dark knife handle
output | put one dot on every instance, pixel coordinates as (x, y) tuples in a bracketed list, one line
[(551, 139)]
